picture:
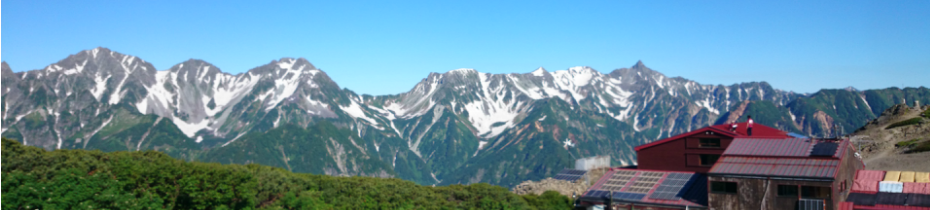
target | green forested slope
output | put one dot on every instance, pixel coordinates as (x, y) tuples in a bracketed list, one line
[(80, 179)]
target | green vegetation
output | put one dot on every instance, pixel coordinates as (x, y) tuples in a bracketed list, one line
[(81, 179), (905, 123), (922, 147), (917, 147), (926, 113), (907, 143)]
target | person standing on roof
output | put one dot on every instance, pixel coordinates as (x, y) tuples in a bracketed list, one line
[(749, 125)]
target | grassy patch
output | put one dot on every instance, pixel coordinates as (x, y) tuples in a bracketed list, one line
[(905, 123), (922, 147), (907, 143), (926, 113)]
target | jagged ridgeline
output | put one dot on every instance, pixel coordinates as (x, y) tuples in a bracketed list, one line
[(461, 126), (34, 178)]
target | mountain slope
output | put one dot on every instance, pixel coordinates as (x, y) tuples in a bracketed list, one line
[(899, 139), (461, 126)]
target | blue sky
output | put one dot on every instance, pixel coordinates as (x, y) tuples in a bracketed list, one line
[(386, 47)]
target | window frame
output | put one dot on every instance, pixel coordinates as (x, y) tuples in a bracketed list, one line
[(701, 143), (702, 156), (811, 192), (796, 193), (727, 187)]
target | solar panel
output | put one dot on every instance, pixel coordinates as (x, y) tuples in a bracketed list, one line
[(573, 172), (628, 196), (618, 180), (644, 183), (599, 194), (810, 204), (918, 200), (891, 198), (571, 178), (671, 188), (861, 199), (570, 175), (824, 149)]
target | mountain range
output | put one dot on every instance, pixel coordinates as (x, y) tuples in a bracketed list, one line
[(461, 126)]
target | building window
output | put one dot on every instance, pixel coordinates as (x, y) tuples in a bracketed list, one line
[(815, 192), (709, 143), (709, 160), (723, 187), (788, 190)]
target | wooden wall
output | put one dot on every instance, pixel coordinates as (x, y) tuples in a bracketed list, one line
[(681, 154), (846, 173), (758, 194)]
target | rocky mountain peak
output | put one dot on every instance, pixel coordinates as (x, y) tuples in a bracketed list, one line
[(7, 74), (639, 64), (295, 63), (304, 62), (540, 72), (195, 70), (461, 71), (5, 68)]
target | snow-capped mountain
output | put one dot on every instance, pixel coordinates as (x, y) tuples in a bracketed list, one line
[(461, 126)]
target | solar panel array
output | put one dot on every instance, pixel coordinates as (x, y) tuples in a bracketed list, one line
[(671, 187), (618, 180), (597, 193), (824, 149), (918, 200), (644, 182), (570, 174), (628, 196), (898, 199)]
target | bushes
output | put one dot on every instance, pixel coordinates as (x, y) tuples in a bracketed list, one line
[(922, 147), (549, 200), (35, 178), (905, 123)]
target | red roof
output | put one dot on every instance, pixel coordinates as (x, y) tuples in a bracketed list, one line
[(758, 130), (770, 147), (865, 186), (889, 207), (919, 188), (845, 206), (774, 166), (870, 175)]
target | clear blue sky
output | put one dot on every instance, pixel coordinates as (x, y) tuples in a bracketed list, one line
[(386, 47)]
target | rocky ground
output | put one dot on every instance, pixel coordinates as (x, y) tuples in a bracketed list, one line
[(563, 187), (882, 148)]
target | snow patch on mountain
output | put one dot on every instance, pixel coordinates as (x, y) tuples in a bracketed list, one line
[(100, 85), (462, 71), (532, 91), (286, 85), (706, 104), (573, 79), (418, 101), (539, 72), (488, 111), (77, 69), (356, 112), (190, 128), (866, 102)]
